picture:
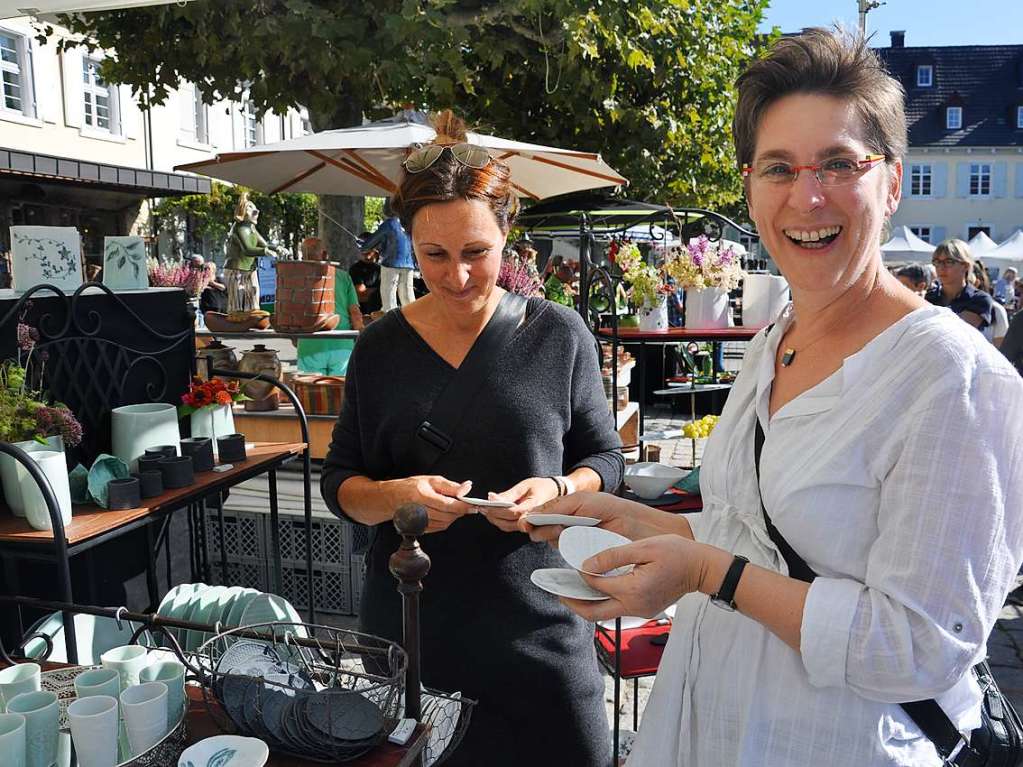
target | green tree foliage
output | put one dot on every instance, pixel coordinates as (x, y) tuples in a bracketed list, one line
[(648, 83)]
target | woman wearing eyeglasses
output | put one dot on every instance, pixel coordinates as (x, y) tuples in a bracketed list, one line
[(895, 539), (954, 263), (534, 425)]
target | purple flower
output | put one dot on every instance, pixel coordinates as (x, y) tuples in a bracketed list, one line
[(27, 337)]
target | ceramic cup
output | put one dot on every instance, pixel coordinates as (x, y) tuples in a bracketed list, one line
[(231, 448), (150, 481), (136, 428), (123, 493), (128, 661), (40, 710), (12, 739), (172, 674), (15, 680), (144, 707), (94, 723), (54, 466), (149, 462), (98, 681), (201, 450), (177, 471)]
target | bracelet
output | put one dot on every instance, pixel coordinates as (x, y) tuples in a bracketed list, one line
[(569, 485), (558, 483)]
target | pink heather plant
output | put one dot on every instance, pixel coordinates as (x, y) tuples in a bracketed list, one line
[(193, 279), (519, 275)]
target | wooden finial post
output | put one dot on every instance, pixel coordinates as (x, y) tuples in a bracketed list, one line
[(410, 564)]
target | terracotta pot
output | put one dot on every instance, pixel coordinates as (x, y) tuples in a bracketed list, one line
[(305, 297), (259, 359)]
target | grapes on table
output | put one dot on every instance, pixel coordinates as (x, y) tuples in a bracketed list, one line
[(701, 428)]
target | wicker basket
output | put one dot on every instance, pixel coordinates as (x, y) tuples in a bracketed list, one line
[(320, 395)]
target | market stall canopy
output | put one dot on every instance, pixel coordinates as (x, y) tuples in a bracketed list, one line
[(604, 215), (981, 244), (906, 246), (366, 161), (1009, 253), (46, 10)]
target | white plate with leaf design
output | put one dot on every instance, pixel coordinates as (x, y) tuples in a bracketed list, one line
[(225, 751)]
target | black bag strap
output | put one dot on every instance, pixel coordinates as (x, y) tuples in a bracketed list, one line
[(435, 435), (927, 714)]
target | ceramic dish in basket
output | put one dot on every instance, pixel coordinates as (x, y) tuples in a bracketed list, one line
[(226, 751)]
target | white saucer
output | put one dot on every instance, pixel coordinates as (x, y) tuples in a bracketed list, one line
[(563, 582), (568, 520), (577, 544), (483, 503)]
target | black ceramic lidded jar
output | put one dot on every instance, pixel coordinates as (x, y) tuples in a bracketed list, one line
[(201, 450), (150, 481), (123, 493), (231, 448), (149, 463), (177, 471)]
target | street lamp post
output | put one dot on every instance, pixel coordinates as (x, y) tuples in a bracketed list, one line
[(865, 7)]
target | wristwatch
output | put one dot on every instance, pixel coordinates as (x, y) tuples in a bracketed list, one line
[(725, 596)]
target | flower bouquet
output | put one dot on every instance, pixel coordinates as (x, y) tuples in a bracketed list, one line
[(193, 279), (202, 395), (701, 264)]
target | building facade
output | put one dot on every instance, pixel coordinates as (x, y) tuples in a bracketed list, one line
[(77, 151), (963, 173)]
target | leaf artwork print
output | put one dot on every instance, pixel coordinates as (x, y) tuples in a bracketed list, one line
[(132, 253), (41, 250)]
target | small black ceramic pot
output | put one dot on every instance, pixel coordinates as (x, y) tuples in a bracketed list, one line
[(201, 450), (150, 462), (150, 482), (168, 451), (123, 493), (177, 471), (231, 448)]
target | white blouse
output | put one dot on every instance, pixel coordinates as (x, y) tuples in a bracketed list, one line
[(899, 482)]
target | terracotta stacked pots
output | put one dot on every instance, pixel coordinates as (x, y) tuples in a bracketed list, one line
[(305, 297)]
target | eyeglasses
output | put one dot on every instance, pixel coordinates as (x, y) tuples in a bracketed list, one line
[(838, 171), (945, 263), (423, 156)]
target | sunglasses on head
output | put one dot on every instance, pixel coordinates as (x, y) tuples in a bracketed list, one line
[(423, 156)]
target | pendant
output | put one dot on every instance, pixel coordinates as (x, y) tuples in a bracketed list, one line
[(787, 357)]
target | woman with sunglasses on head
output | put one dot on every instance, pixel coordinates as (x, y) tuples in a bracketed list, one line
[(954, 264), (534, 425), (862, 521)]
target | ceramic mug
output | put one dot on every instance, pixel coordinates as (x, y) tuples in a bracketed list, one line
[(172, 674), (98, 681), (12, 739), (144, 707), (40, 710), (128, 661), (14, 680), (94, 723)]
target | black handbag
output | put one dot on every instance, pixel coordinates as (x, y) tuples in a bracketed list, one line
[(998, 742)]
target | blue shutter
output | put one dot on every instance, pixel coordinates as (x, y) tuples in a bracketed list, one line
[(963, 179), (906, 178), (937, 235), (999, 179), (939, 179), (1019, 179)]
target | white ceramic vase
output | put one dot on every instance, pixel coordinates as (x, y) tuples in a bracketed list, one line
[(706, 309), (11, 471), (212, 422), (138, 427), (54, 468), (655, 318), (763, 298)]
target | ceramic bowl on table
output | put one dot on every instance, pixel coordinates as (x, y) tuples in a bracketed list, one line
[(650, 480), (226, 751)]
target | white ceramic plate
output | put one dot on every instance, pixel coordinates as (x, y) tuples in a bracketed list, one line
[(568, 520), (483, 503), (564, 582), (577, 544), (270, 608), (225, 751), (234, 617)]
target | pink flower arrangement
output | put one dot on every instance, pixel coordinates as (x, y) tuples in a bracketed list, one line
[(519, 275), (193, 279), (703, 264)]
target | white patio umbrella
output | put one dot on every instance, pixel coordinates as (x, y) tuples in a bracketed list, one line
[(46, 10), (905, 246), (366, 161), (981, 244)]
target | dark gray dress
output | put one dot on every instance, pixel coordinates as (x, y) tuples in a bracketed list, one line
[(486, 630)]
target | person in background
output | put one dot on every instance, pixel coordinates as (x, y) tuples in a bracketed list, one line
[(365, 274), (558, 287), (1012, 344), (954, 264), (914, 277), (995, 332), (1005, 288), (214, 295), (329, 356), (396, 262)]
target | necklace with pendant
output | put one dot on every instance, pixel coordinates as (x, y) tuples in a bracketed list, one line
[(789, 355)]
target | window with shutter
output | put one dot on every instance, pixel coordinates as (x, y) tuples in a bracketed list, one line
[(16, 93)]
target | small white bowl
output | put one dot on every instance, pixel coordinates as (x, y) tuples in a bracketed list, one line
[(577, 544), (226, 751), (651, 480)]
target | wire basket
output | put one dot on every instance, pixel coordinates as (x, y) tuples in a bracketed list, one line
[(307, 690), (448, 717)]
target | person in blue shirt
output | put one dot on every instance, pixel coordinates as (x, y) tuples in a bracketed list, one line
[(954, 263), (396, 260)]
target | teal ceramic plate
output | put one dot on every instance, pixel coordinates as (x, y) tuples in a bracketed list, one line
[(175, 603), (206, 612)]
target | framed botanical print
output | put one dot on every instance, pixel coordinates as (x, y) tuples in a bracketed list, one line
[(124, 263), (45, 254)]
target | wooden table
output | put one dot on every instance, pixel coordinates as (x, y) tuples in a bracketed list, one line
[(92, 525)]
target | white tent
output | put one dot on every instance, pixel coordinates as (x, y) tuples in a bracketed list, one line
[(906, 246), (981, 244), (1009, 253)]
